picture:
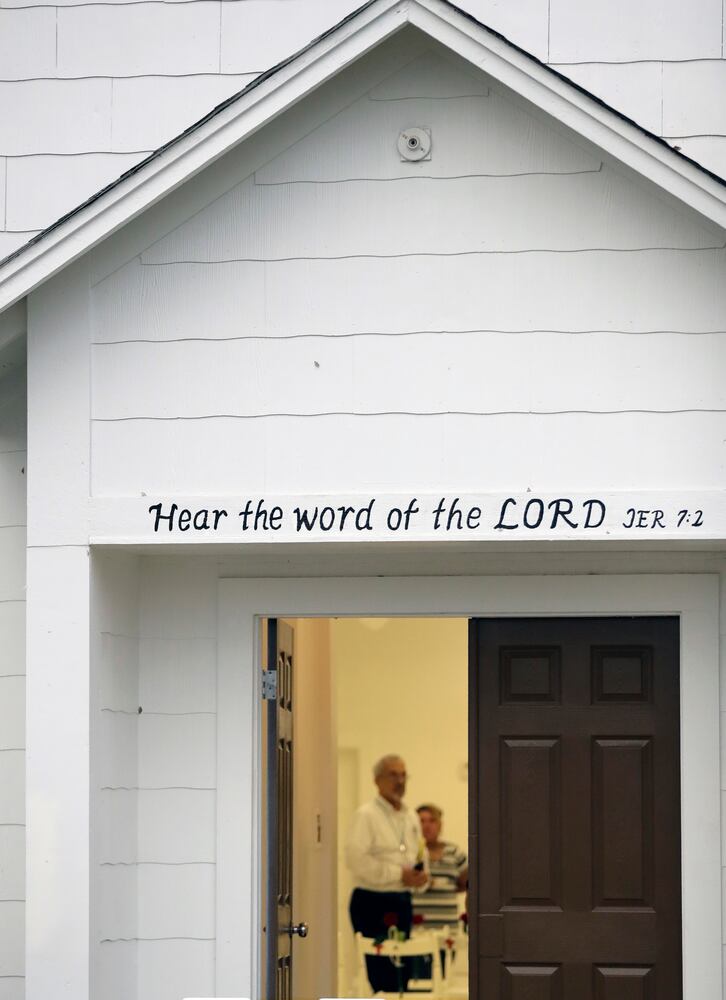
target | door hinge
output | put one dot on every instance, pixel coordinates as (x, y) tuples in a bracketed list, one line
[(269, 685)]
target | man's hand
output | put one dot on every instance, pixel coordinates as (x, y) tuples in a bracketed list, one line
[(413, 879)]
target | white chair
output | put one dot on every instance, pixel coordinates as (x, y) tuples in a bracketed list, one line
[(421, 946)]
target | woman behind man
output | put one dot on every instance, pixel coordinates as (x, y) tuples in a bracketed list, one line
[(448, 871)]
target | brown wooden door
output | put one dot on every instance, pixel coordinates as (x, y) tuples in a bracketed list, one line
[(575, 809), (278, 692)]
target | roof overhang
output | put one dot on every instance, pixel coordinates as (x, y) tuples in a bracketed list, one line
[(286, 84)]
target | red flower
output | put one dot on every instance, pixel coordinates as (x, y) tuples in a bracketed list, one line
[(464, 918), (390, 919), (449, 943), (418, 918)]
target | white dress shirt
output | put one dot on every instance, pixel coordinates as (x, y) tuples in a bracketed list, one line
[(381, 841)]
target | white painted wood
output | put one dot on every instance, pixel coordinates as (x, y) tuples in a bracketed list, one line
[(239, 794), (247, 46), (3, 182), (436, 453), (709, 151), (177, 751), (12, 988), (12, 787), (12, 564), (159, 901), (176, 826), (116, 827), (375, 23), (150, 110), (27, 43), (473, 215), (118, 969), (478, 372), (177, 600), (11, 934), (683, 83), (431, 75), (524, 23), (12, 629), (13, 325), (12, 713), (176, 901), (33, 203), (35, 116), (58, 379), (118, 673), (117, 900), (12, 488), (620, 32), (178, 675), (12, 862), (169, 970), (10, 242), (58, 769), (657, 290), (635, 89), (13, 408), (695, 599), (107, 39), (116, 742), (487, 135)]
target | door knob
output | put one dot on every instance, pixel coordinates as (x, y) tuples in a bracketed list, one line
[(300, 929)]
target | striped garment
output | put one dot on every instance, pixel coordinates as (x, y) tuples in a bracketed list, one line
[(438, 905)]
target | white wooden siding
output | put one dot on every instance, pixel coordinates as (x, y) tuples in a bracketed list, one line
[(242, 457), (484, 134), (124, 77), (110, 39), (12, 684), (650, 29), (33, 200), (472, 372), (588, 290), (35, 119), (155, 800)]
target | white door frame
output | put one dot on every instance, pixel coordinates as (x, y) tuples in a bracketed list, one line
[(243, 602)]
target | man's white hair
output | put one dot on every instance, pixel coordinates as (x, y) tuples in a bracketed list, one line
[(380, 765)]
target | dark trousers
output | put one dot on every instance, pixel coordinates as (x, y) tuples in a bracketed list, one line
[(368, 913)]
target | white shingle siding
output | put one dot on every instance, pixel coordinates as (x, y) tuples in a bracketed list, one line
[(78, 78)]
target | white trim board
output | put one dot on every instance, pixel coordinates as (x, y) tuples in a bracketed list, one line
[(296, 78), (242, 603)]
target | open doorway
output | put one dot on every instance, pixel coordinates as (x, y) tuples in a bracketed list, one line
[(574, 801), (365, 688)]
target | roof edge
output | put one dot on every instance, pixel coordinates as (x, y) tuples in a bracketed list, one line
[(278, 88)]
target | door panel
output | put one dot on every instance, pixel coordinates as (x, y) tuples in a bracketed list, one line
[(278, 945), (575, 809)]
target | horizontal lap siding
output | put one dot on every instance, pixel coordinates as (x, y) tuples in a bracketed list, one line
[(594, 290), (109, 77), (340, 454), (156, 789), (530, 304), (470, 372), (12, 687)]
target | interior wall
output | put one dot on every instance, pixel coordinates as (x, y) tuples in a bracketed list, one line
[(314, 811), (401, 686), (13, 456)]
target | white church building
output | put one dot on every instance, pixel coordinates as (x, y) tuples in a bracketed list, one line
[(385, 349)]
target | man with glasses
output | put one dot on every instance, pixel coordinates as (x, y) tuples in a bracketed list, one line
[(387, 855)]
